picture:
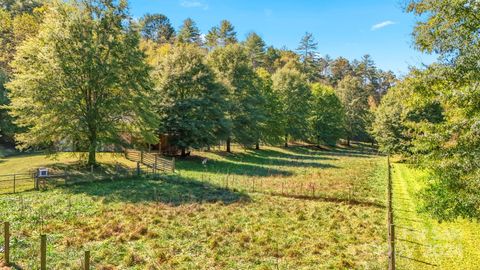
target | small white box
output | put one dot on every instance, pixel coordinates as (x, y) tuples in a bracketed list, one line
[(42, 172)]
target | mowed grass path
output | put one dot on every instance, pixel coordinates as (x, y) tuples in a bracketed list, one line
[(196, 220), (447, 245)]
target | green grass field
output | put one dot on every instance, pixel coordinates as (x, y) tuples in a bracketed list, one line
[(248, 210), (22, 167), (422, 241)]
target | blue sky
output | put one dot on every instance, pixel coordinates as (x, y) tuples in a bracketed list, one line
[(346, 28)]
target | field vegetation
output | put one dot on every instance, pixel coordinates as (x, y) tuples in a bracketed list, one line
[(191, 219), (423, 242)]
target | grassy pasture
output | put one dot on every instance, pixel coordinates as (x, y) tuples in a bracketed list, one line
[(22, 165), (423, 241), (211, 217)]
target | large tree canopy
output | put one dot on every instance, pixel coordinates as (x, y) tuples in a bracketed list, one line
[(157, 27), (326, 116), (354, 98), (82, 81), (189, 33), (308, 52), (222, 35), (232, 69), (17, 23), (255, 47), (441, 113), (189, 102), (292, 88)]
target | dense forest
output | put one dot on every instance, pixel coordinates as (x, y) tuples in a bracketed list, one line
[(85, 73), (200, 90)]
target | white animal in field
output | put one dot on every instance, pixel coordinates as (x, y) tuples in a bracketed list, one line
[(204, 161)]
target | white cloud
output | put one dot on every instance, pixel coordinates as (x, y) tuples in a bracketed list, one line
[(193, 4), (381, 25)]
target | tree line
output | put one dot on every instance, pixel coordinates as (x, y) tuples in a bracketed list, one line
[(86, 74), (432, 116)]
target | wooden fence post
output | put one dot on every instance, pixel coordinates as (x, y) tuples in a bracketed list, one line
[(35, 181), (173, 164), (43, 252), (141, 156), (6, 231), (391, 261), (86, 264), (138, 168)]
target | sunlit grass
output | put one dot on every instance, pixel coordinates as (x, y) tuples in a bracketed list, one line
[(422, 241), (195, 220)]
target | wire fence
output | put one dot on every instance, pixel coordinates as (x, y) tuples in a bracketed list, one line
[(42, 260), (16, 182), (21, 182), (390, 223), (395, 255)]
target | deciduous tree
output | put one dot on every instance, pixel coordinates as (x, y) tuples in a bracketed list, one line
[(450, 147), (292, 88), (189, 102), (82, 80), (354, 99), (327, 115), (244, 101)]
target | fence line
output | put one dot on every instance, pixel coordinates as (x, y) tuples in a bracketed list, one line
[(85, 263), (152, 160), (390, 223), (21, 182), (13, 183)]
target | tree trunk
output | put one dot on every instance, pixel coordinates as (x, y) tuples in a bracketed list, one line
[(92, 149), (229, 150), (286, 140), (257, 146), (348, 141), (184, 154)]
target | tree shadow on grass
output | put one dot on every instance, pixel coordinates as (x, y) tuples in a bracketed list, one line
[(317, 152), (171, 189), (251, 163), (277, 158), (194, 163)]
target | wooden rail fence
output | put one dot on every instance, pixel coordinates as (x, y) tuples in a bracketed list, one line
[(152, 160)]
